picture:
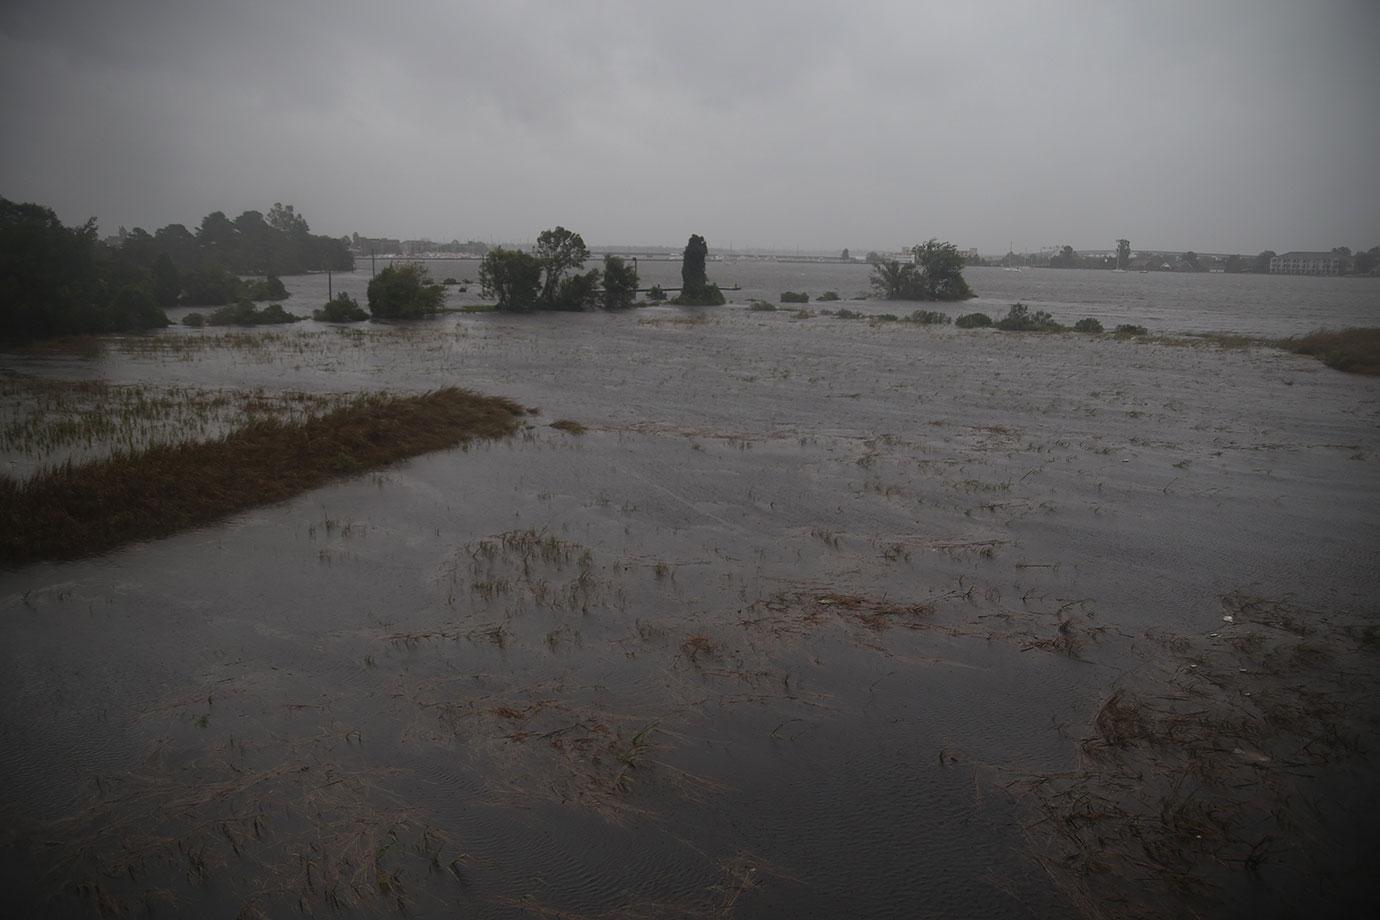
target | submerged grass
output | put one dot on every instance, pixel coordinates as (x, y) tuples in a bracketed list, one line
[(75, 511)]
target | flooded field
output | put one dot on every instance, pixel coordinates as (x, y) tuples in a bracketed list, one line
[(814, 617)]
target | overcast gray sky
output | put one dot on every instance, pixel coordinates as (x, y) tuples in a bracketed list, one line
[(1225, 125)]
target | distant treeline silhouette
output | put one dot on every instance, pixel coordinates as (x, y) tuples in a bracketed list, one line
[(57, 280)]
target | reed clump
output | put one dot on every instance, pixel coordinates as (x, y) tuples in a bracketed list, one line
[(79, 510)]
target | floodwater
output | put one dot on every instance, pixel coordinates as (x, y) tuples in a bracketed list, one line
[(810, 621), (1267, 306)]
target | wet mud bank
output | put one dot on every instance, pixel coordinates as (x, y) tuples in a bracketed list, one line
[(811, 619)]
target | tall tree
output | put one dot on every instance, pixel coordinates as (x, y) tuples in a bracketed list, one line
[(285, 219), (513, 277), (216, 232), (1123, 254), (620, 284), (559, 252), (1261, 264), (692, 273)]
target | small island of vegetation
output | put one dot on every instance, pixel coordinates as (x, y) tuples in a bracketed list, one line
[(935, 272)]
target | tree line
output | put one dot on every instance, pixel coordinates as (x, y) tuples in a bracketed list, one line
[(58, 280)]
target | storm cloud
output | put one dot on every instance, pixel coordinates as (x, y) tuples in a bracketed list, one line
[(1230, 126)]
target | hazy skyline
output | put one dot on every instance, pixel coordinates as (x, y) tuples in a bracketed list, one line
[(1230, 126)]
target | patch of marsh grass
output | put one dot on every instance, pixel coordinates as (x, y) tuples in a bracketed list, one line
[(1355, 350), (73, 511)]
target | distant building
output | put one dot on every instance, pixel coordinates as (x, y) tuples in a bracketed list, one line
[(1306, 263)]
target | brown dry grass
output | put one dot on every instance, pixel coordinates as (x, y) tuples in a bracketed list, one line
[(81, 510), (1355, 350)]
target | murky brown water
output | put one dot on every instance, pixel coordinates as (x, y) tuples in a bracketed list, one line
[(775, 637)]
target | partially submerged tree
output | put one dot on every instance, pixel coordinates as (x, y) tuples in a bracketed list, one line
[(512, 277), (695, 289), (1123, 253), (559, 251), (935, 273), (620, 283), (404, 291), (342, 308)]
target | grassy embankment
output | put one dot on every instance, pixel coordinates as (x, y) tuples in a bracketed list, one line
[(1355, 350), (75, 511)]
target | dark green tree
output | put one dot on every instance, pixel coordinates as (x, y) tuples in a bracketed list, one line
[(166, 284), (620, 284), (512, 277), (48, 280), (579, 291), (133, 307), (845, 256), (941, 265), (936, 273), (1261, 264), (695, 290), (404, 291), (559, 251), (1190, 259), (692, 271), (1123, 253), (211, 287), (216, 235), (286, 220)]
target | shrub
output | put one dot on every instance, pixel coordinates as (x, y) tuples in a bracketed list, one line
[(341, 309), (762, 306), (1020, 319), (928, 317), (195, 320), (1128, 329), (828, 295), (886, 318), (794, 297), (655, 294), (1087, 325), (973, 321), (707, 296), (270, 288), (848, 314), (245, 314), (449, 282), (274, 314), (577, 292), (404, 292), (132, 308)]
